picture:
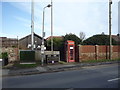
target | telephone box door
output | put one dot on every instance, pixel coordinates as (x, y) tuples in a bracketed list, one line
[(71, 51)]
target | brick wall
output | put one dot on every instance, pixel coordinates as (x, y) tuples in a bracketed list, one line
[(95, 52), (84, 52)]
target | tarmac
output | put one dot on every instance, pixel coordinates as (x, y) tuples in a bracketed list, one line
[(50, 68)]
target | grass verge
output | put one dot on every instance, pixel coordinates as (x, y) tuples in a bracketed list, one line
[(25, 65), (103, 60), (21, 66)]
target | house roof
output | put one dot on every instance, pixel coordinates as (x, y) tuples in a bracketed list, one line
[(5, 38), (30, 35), (116, 38), (48, 38)]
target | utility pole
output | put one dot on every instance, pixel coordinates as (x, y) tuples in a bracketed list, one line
[(110, 37), (18, 48), (32, 24), (43, 35), (51, 25)]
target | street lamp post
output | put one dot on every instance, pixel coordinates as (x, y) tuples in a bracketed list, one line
[(18, 48), (43, 35), (51, 26), (32, 24), (110, 37)]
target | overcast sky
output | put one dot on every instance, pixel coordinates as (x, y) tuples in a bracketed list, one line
[(69, 16)]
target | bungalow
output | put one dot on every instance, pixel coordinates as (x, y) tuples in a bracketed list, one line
[(25, 42)]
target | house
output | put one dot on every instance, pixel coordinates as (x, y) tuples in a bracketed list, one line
[(8, 42), (25, 42), (49, 38), (116, 38)]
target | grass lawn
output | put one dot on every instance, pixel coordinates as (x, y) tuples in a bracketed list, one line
[(90, 61), (25, 65), (95, 61), (20, 66)]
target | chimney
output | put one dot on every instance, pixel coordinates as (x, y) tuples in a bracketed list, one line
[(118, 35)]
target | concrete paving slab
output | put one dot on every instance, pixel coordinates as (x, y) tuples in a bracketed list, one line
[(5, 72), (41, 69), (60, 66), (28, 63), (22, 71)]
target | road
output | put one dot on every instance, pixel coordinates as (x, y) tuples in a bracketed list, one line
[(102, 76), (0, 74)]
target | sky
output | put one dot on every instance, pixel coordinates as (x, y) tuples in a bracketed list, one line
[(69, 16), (118, 17)]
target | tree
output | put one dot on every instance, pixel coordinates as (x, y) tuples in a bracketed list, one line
[(82, 35), (99, 40), (57, 43), (72, 37)]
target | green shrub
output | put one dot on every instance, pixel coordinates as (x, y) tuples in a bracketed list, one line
[(4, 55), (101, 60), (0, 56)]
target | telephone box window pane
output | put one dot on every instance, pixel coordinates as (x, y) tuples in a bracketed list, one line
[(71, 47), (71, 52)]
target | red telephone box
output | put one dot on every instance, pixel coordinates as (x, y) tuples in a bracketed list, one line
[(70, 51)]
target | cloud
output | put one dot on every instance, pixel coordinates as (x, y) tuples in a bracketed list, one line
[(22, 19), (115, 18), (27, 23), (0, 17), (58, 0), (76, 17), (26, 7), (38, 8), (7, 35), (87, 16)]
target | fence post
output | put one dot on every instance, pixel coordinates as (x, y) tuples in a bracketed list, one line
[(111, 52), (118, 51), (80, 49), (107, 52), (96, 52)]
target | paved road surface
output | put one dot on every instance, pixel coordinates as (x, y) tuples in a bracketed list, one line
[(0, 74), (103, 76)]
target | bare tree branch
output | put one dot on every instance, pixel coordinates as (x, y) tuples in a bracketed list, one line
[(82, 35)]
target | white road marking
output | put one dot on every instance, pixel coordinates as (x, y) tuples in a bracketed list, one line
[(113, 79)]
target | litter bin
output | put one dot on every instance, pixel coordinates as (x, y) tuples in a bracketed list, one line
[(52, 58), (5, 62), (4, 58)]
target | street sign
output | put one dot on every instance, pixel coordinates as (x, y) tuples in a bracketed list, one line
[(42, 49), (43, 34)]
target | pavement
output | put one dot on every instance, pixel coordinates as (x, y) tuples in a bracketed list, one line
[(50, 68)]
